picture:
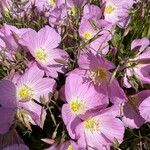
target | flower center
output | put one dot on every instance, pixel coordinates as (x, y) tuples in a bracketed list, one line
[(87, 35), (40, 55), (77, 107), (73, 11), (133, 100), (70, 147), (51, 2), (25, 93), (99, 75), (91, 124), (109, 9)]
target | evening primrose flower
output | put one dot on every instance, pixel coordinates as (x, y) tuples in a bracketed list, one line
[(92, 11), (95, 69), (144, 108), (131, 115), (8, 105), (139, 65), (8, 9), (16, 147), (48, 5), (9, 35), (81, 98), (28, 87), (12, 141), (117, 12), (58, 17), (43, 47), (99, 131), (95, 30), (75, 6), (86, 30), (32, 86)]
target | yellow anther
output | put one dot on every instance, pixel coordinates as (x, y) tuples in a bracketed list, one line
[(109, 9)]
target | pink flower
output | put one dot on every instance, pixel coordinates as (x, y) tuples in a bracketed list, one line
[(95, 30), (10, 35), (32, 86), (131, 115), (81, 98), (8, 105), (139, 65), (144, 108), (96, 69), (8, 8), (43, 47), (87, 31), (16, 147), (21, 95), (74, 7), (58, 17), (92, 11), (48, 5), (117, 12), (12, 141), (100, 131)]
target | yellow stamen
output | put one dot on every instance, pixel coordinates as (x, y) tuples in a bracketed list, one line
[(72, 11), (91, 124), (88, 35), (70, 147), (52, 2), (109, 9), (25, 93), (99, 75), (40, 55), (77, 107), (6, 11)]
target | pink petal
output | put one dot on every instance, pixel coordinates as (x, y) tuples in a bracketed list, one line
[(7, 94)]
